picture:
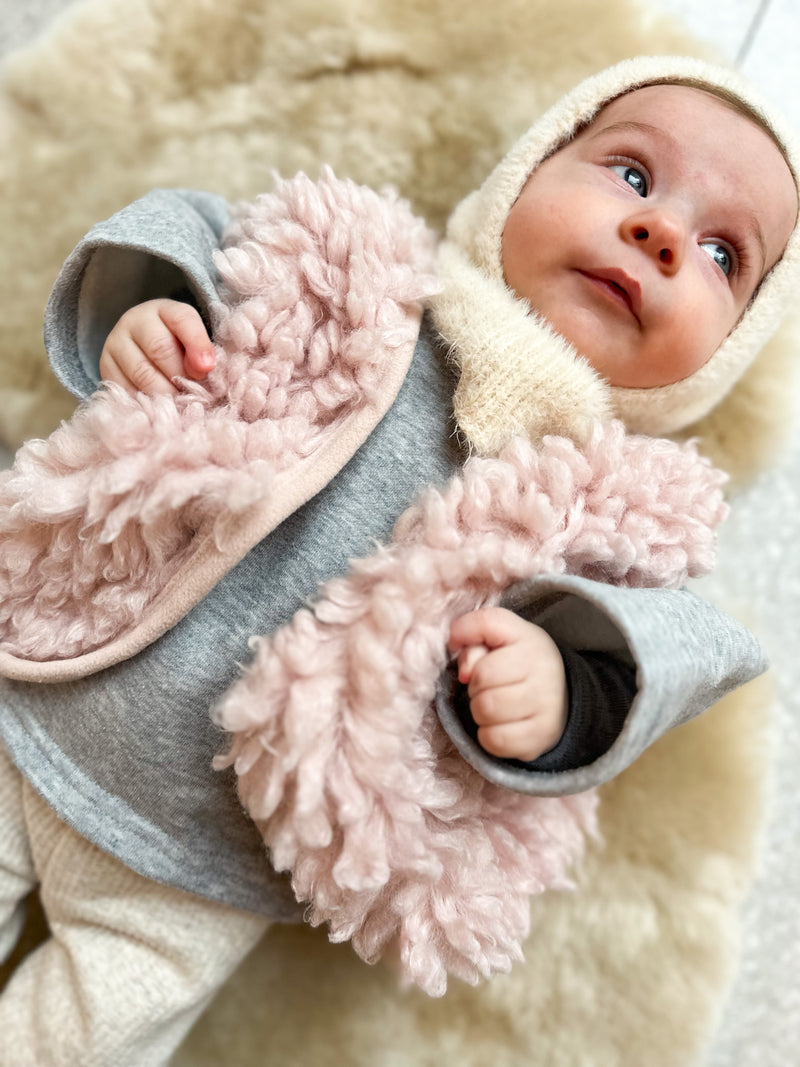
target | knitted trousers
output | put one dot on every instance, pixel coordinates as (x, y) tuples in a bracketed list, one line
[(130, 964)]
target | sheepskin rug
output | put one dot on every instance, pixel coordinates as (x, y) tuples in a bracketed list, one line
[(631, 968), (626, 971)]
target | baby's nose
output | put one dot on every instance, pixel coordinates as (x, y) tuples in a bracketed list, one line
[(660, 235)]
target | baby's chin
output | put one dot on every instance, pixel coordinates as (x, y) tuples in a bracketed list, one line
[(593, 342), (619, 355)]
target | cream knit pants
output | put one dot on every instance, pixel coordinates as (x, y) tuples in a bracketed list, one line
[(130, 964)]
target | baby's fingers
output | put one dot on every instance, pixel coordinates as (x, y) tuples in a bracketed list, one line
[(490, 627), (123, 361), (468, 657), (188, 329), (160, 344), (524, 740), (500, 703), (110, 372)]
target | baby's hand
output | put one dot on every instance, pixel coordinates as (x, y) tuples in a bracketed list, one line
[(515, 680), (153, 343)]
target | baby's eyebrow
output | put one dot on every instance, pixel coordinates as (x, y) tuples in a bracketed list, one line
[(631, 127)]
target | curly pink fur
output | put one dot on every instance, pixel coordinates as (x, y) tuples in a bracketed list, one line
[(389, 835), (94, 521)]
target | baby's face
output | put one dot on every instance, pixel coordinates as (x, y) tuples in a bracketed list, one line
[(642, 241)]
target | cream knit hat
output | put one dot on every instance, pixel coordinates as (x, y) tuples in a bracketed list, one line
[(474, 238)]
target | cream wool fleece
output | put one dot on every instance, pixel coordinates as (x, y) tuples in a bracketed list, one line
[(509, 358)]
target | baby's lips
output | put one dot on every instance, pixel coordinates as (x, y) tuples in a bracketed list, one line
[(629, 286)]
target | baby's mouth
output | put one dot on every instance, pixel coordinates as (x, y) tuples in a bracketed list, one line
[(616, 284)]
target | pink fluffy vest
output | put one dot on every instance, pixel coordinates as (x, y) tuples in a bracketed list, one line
[(124, 517)]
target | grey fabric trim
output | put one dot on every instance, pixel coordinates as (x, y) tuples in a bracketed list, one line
[(161, 241), (688, 655)]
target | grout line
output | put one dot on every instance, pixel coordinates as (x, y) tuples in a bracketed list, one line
[(752, 30)]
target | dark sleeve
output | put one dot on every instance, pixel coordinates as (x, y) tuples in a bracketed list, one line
[(601, 689), (601, 692)]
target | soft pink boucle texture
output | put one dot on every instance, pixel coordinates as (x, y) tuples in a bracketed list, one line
[(389, 835), (320, 279)]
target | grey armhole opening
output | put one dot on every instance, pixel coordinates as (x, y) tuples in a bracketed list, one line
[(116, 279), (576, 623)]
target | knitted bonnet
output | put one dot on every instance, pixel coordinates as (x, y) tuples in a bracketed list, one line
[(516, 374)]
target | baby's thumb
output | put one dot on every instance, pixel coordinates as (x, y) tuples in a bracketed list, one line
[(199, 359), (467, 659)]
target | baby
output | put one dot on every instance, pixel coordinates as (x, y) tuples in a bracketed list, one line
[(642, 244), (628, 257)]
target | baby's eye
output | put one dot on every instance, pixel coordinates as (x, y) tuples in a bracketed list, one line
[(635, 178), (721, 255)]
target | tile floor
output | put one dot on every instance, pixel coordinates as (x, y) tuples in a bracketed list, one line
[(761, 37)]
